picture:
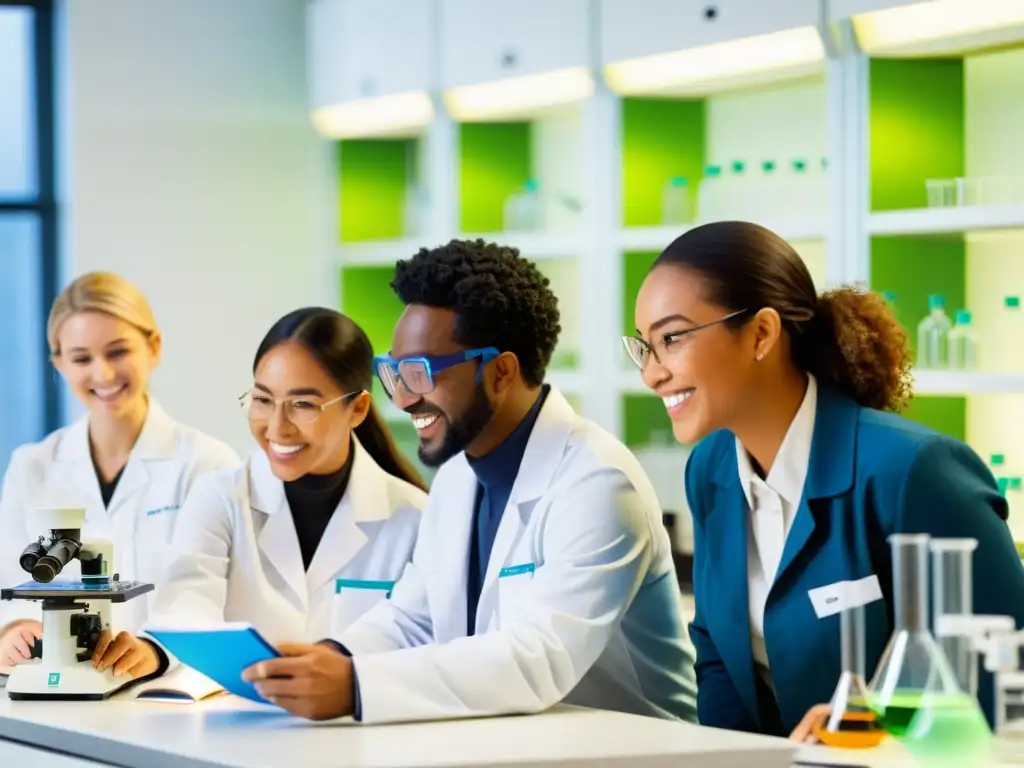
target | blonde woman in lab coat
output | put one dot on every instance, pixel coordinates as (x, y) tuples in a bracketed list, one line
[(126, 461), (314, 528)]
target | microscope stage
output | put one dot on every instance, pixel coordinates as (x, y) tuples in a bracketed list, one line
[(114, 591), (32, 681)]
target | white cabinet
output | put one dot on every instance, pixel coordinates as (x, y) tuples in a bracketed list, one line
[(635, 28), (360, 49), (487, 40)]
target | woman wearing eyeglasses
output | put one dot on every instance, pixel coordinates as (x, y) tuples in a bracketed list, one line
[(802, 470), (314, 528)]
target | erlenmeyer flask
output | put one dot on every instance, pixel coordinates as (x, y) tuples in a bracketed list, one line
[(851, 723), (912, 663)]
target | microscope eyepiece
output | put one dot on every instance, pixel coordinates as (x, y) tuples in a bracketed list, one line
[(61, 552), (30, 555)]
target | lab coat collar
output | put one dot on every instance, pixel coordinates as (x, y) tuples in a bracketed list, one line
[(155, 441), (365, 501), (543, 456), (544, 449), (457, 483)]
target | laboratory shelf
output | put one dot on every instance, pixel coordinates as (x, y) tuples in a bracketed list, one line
[(947, 220), (536, 245), (659, 237), (933, 382), (378, 252)]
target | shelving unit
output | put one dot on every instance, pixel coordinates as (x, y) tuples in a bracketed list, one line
[(947, 221), (887, 123)]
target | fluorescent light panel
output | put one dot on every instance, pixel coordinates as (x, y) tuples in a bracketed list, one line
[(383, 116), (734, 62), (519, 95), (922, 27)]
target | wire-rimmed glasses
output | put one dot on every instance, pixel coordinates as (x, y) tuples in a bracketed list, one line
[(260, 406), (641, 352)]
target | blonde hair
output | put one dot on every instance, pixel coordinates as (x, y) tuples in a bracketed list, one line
[(100, 292)]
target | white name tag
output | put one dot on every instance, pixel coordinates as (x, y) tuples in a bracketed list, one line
[(838, 597)]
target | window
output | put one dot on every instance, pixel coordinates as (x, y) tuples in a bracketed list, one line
[(29, 395)]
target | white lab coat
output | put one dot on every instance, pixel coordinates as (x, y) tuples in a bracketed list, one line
[(580, 600), (236, 556), (58, 471)]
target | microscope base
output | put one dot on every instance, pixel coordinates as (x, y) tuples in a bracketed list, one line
[(31, 681)]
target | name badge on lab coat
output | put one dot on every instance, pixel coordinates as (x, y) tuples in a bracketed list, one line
[(515, 570), (838, 597)]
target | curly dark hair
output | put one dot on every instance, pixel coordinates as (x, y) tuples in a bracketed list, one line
[(499, 298), (845, 336)]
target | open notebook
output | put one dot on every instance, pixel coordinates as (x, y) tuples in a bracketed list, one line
[(182, 685), (217, 654)]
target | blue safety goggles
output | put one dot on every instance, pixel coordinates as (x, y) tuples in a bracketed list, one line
[(417, 373)]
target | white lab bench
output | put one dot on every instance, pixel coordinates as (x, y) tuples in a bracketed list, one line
[(227, 732)]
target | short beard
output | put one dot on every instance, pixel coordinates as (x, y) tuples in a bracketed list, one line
[(461, 433)]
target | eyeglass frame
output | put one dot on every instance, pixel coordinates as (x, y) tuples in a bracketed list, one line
[(434, 364), (321, 408), (673, 336)]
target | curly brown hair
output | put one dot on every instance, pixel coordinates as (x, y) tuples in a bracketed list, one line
[(868, 354), (844, 336)]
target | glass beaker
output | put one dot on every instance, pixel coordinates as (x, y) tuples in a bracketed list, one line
[(952, 588), (912, 662), (851, 722)]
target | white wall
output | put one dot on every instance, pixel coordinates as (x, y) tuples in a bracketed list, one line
[(191, 168)]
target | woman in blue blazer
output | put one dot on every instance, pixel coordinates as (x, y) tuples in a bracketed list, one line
[(802, 469)]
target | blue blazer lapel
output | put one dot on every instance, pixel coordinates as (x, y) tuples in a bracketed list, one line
[(831, 470), (726, 531)]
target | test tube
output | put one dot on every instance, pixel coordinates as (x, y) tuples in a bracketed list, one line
[(952, 586)]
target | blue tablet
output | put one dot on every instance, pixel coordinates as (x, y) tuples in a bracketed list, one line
[(220, 652)]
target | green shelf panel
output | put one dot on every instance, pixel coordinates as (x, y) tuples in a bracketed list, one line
[(643, 418), (661, 138), (374, 177), (916, 128), (943, 414), (367, 298), (635, 266), (494, 162), (917, 133)]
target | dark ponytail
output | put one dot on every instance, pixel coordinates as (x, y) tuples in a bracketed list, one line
[(345, 352), (847, 337)]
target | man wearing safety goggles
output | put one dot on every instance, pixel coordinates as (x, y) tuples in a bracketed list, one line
[(542, 571)]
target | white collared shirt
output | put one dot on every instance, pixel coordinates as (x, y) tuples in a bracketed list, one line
[(773, 503)]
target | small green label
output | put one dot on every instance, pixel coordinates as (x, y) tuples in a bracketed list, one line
[(53, 680)]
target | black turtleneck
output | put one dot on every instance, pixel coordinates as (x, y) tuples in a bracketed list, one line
[(312, 500)]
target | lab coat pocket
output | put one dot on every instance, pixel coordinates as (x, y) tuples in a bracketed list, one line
[(353, 598), (514, 583)]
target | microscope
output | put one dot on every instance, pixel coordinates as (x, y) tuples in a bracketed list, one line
[(71, 625)]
